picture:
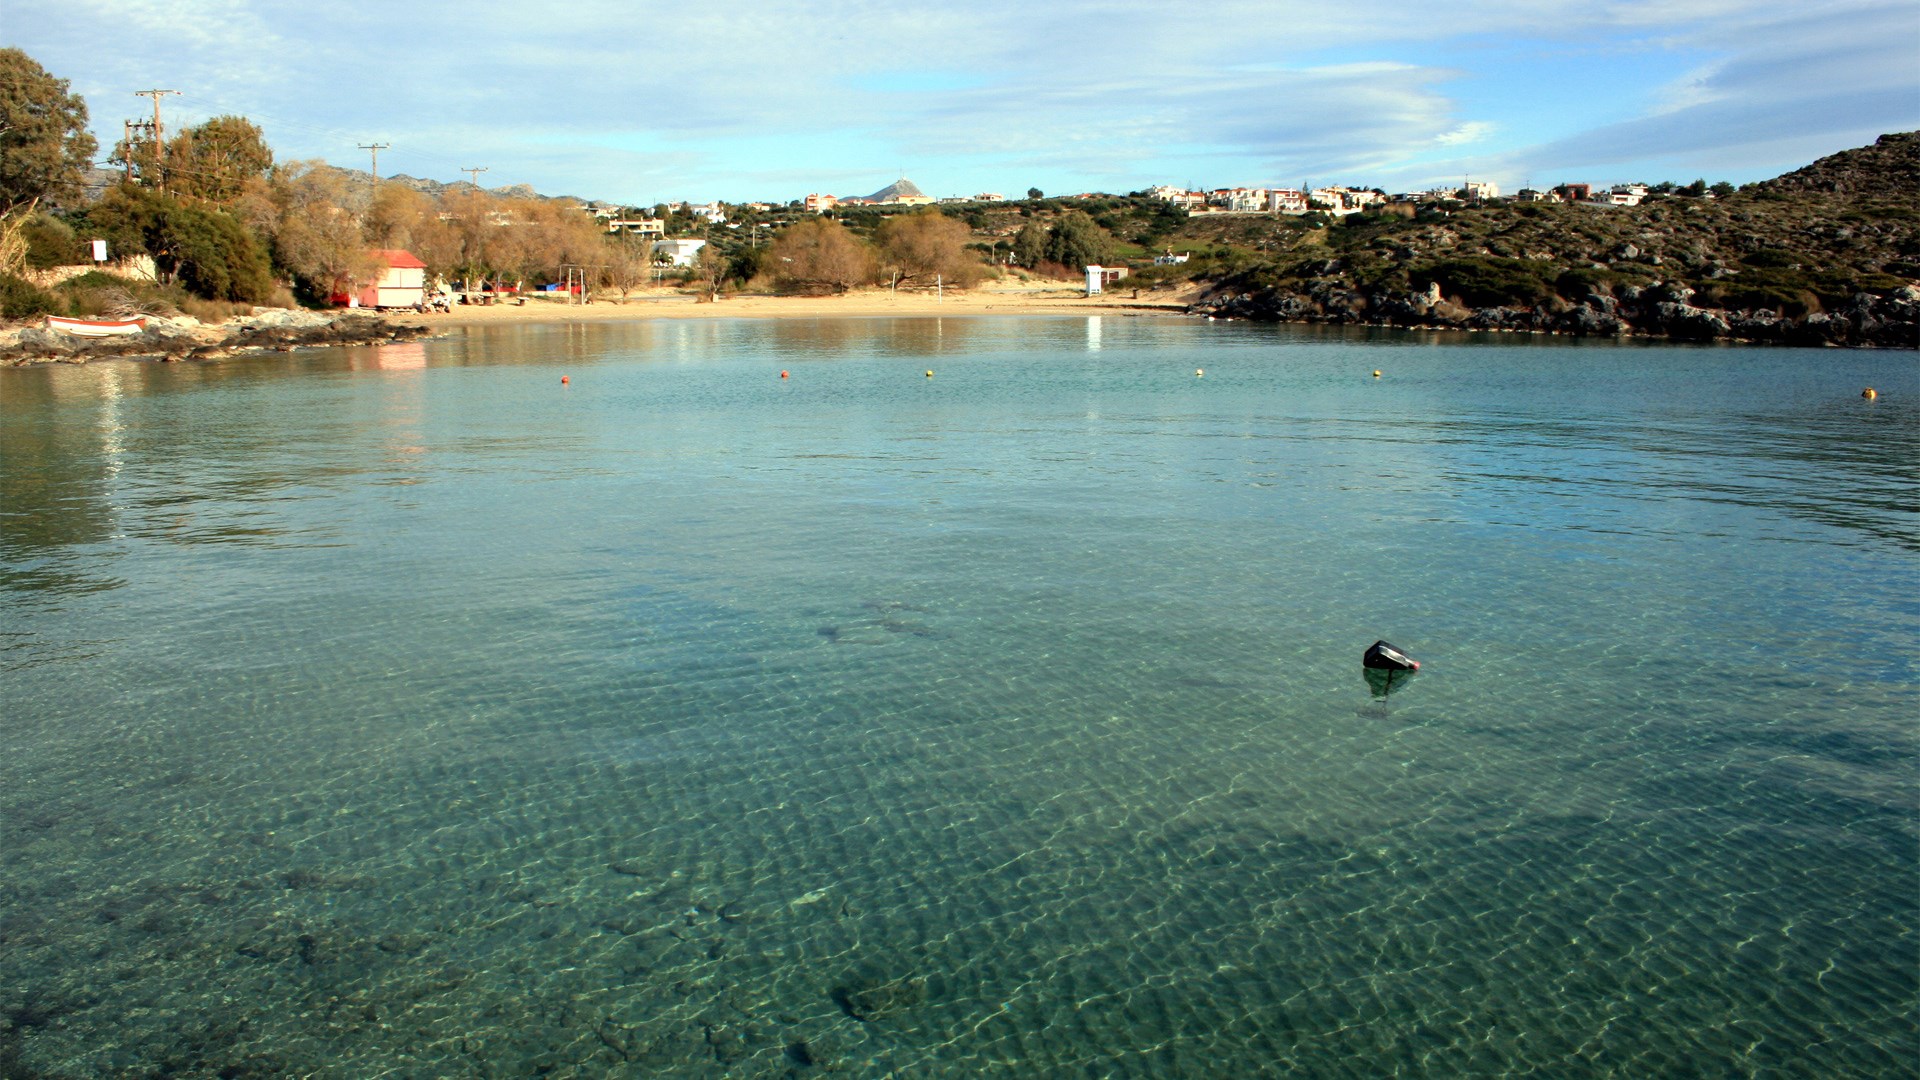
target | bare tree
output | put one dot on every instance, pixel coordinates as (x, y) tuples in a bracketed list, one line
[(819, 255), (627, 266), (928, 245), (313, 235)]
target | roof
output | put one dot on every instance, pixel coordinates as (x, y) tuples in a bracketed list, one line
[(895, 190), (397, 259)]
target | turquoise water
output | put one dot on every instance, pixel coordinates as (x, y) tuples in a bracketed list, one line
[(403, 712)]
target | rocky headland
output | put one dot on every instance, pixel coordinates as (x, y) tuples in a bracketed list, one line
[(1826, 255), (169, 338)]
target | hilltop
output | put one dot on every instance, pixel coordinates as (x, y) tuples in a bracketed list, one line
[(1892, 163)]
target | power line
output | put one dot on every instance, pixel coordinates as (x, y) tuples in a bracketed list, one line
[(475, 171)]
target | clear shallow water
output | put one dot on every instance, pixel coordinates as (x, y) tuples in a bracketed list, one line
[(401, 712)]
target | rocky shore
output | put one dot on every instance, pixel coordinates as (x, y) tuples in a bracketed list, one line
[(179, 337), (1658, 311)]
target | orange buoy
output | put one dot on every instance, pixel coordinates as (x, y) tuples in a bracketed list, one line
[(783, 374), (563, 380), (1869, 393)]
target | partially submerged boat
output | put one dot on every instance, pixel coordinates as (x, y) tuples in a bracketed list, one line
[(96, 327)]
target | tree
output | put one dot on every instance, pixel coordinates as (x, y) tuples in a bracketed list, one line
[(208, 251), (1076, 241), (627, 265), (1035, 193), (214, 256), (1030, 244), (819, 255), (709, 270), (314, 237), (745, 264), (1721, 190), (44, 146), (928, 245), (215, 160)]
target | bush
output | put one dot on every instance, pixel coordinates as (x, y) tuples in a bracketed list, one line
[(50, 242), (22, 299)]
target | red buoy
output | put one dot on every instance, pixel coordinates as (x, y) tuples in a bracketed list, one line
[(783, 374), (563, 380)]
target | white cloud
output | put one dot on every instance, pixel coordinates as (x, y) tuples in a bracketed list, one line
[(1466, 134)]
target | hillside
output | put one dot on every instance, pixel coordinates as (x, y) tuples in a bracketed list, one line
[(1825, 254)]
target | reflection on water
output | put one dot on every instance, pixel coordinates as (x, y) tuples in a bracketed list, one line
[(398, 710)]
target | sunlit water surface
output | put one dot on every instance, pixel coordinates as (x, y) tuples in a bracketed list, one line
[(403, 712)]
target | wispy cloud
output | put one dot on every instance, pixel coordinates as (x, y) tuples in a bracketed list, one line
[(628, 100)]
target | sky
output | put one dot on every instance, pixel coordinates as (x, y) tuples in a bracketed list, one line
[(640, 102)]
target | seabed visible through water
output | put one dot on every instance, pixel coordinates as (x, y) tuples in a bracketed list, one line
[(402, 712)]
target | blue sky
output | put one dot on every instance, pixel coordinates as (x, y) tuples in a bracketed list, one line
[(640, 101)]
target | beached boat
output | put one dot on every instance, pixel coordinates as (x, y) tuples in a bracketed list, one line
[(96, 327)]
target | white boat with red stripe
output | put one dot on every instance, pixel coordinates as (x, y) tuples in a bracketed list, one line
[(96, 327)]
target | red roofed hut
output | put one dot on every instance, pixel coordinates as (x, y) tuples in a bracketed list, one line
[(400, 283)]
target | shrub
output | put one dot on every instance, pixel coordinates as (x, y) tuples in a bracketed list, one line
[(22, 299)]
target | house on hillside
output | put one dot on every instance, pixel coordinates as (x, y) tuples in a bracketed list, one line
[(679, 253), (1622, 195), (401, 282), (1287, 201), (820, 204), (642, 227)]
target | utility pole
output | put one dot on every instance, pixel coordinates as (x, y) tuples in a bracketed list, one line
[(376, 148), (475, 173), (159, 133)]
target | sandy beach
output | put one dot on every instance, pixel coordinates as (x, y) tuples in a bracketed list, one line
[(1054, 299)]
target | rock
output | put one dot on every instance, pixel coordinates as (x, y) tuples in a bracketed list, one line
[(1690, 323), (870, 1001)]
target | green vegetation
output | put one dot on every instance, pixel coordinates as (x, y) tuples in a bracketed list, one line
[(44, 145)]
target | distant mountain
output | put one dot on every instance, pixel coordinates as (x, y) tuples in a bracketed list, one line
[(435, 187), (900, 188)]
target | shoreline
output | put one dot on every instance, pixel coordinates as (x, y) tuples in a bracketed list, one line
[(863, 303), (171, 339)]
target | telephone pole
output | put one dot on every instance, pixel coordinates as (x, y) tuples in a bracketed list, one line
[(159, 133), (475, 173), (376, 148)]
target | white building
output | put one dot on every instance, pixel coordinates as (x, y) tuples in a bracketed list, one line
[(1287, 201), (1622, 195), (677, 252), (1482, 189), (638, 226)]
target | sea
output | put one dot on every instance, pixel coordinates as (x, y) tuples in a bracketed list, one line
[(959, 697)]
